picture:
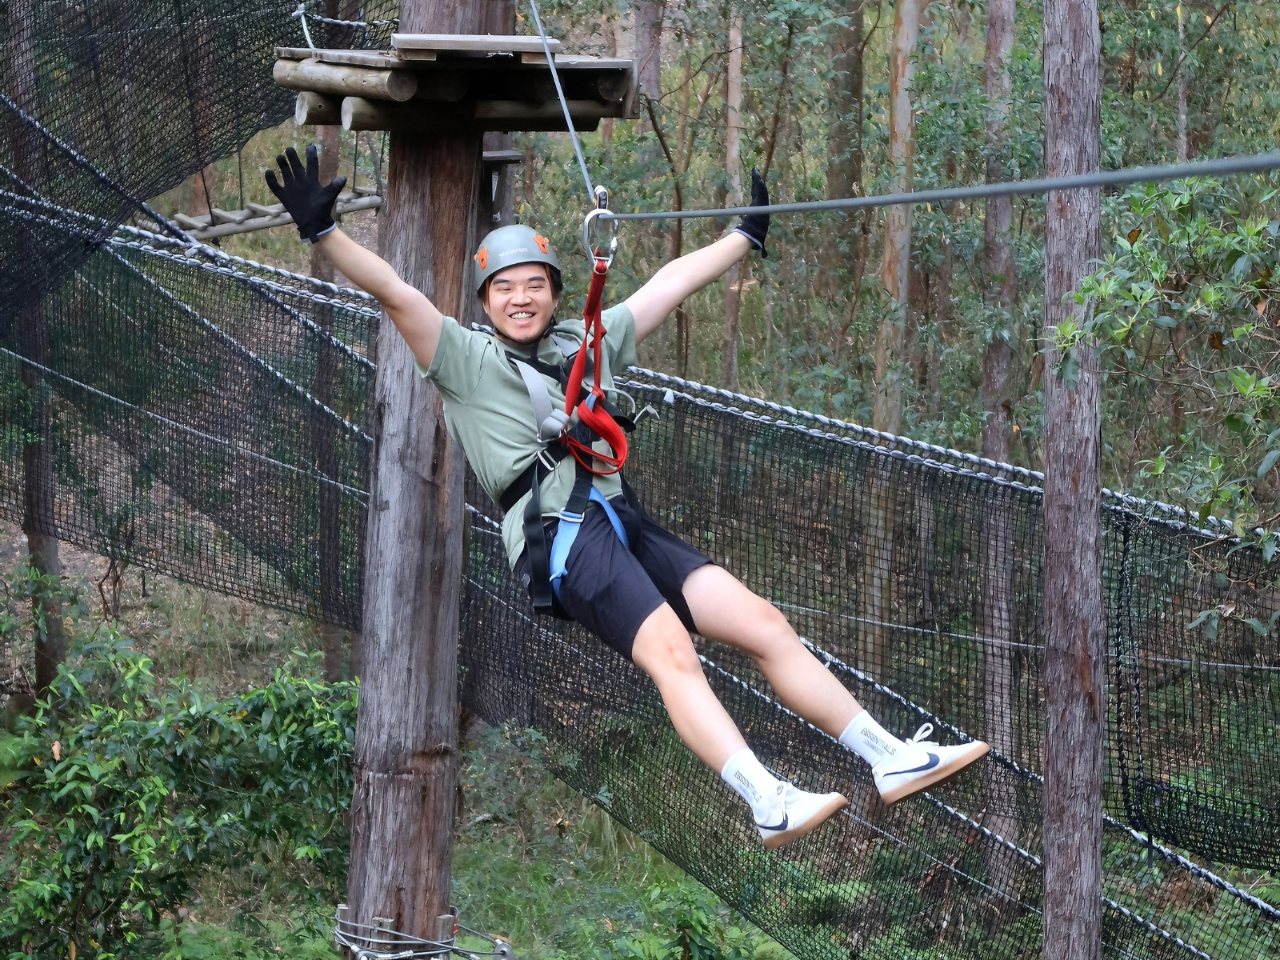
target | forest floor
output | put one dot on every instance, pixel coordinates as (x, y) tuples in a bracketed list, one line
[(533, 862)]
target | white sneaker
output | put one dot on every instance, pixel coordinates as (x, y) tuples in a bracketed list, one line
[(922, 765), (799, 813)]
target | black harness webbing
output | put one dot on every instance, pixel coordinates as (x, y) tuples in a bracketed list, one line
[(530, 481)]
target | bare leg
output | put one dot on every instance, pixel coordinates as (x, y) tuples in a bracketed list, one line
[(727, 612), (664, 650)]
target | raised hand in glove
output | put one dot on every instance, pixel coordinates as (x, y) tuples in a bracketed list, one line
[(755, 226), (310, 204)]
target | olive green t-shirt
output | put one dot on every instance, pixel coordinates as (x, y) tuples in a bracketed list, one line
[(488, 410)]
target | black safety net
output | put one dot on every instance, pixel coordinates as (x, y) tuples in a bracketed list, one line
[(184, 411)]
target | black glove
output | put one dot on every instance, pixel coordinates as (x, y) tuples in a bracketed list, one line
[(310, 204), (755, 226)]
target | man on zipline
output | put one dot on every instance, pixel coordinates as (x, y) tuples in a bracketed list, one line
[(585, 545)]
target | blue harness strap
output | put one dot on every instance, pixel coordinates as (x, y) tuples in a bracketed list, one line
[(567, 533)]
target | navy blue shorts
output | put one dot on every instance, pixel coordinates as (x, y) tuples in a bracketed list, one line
[(612, 590)]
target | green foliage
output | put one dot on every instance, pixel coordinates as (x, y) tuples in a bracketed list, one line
[(26, 597), (1181, 304), (126, 794)]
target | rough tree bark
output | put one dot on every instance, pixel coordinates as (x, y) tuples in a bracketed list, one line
[(331, 635), (1182, 87), (649, 16), (39, 522), (1075, 703), (844, 143), (998, 659), (406, 735), (895, 271), (733, 163)]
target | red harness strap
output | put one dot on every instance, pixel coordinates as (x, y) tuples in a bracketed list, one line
[(591, 411)]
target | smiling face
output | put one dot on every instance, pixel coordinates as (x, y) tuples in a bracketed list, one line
[(520, 301)]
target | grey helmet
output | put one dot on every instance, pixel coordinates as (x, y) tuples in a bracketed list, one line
[(510, 246)]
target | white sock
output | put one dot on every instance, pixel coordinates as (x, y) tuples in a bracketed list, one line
[(754, 784), (869, 740)]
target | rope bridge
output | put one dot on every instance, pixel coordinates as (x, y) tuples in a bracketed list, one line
[(913, 571), (208, 417)]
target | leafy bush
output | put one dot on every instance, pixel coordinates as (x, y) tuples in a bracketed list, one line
[(125, 794)]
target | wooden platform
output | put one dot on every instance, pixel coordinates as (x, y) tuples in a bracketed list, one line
[(451, 82)]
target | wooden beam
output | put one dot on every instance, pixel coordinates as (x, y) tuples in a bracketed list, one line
[(361, 114), (313, 109), (343, 80), (499, 157), (375, 59), (518, 110), (573, 61), (446, 86), (255, 216), (411, 46)]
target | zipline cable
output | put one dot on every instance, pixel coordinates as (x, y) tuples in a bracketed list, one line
[(555, 77), (1256, 163)]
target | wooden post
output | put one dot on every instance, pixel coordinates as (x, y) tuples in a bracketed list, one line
[(327, 358), (497, 200), (406, 734), (1075, 703), (38, 520)]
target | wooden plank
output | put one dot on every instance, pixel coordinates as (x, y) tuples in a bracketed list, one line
[(229, 216), (344, 80), (567, 61), (257, 217), (190, 223), (497, 157), (411, 45), (374, 59)]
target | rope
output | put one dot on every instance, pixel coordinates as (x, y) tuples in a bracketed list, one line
[(1010, 764), (555, 77), (360, 495), (1257, 163), (245, 352), (1035, 477)]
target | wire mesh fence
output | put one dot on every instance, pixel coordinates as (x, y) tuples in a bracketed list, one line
[(183, 411)]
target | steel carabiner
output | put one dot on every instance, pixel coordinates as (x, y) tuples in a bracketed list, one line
[(593, 250)]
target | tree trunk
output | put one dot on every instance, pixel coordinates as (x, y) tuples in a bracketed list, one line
[(1180, 66), (844, 144), (331, 635), (649, 16), (733, 163), (406, 734), (1075, 703), (895, 272), (39, 522), (998, 659), (612, 34)]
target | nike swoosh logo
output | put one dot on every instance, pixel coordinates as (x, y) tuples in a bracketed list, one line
[(933, 762), (781, 826)]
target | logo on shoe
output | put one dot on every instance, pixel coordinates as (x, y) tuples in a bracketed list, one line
[(778, 826), (933, 762)]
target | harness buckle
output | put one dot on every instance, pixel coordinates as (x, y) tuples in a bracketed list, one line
[(545, 458)]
